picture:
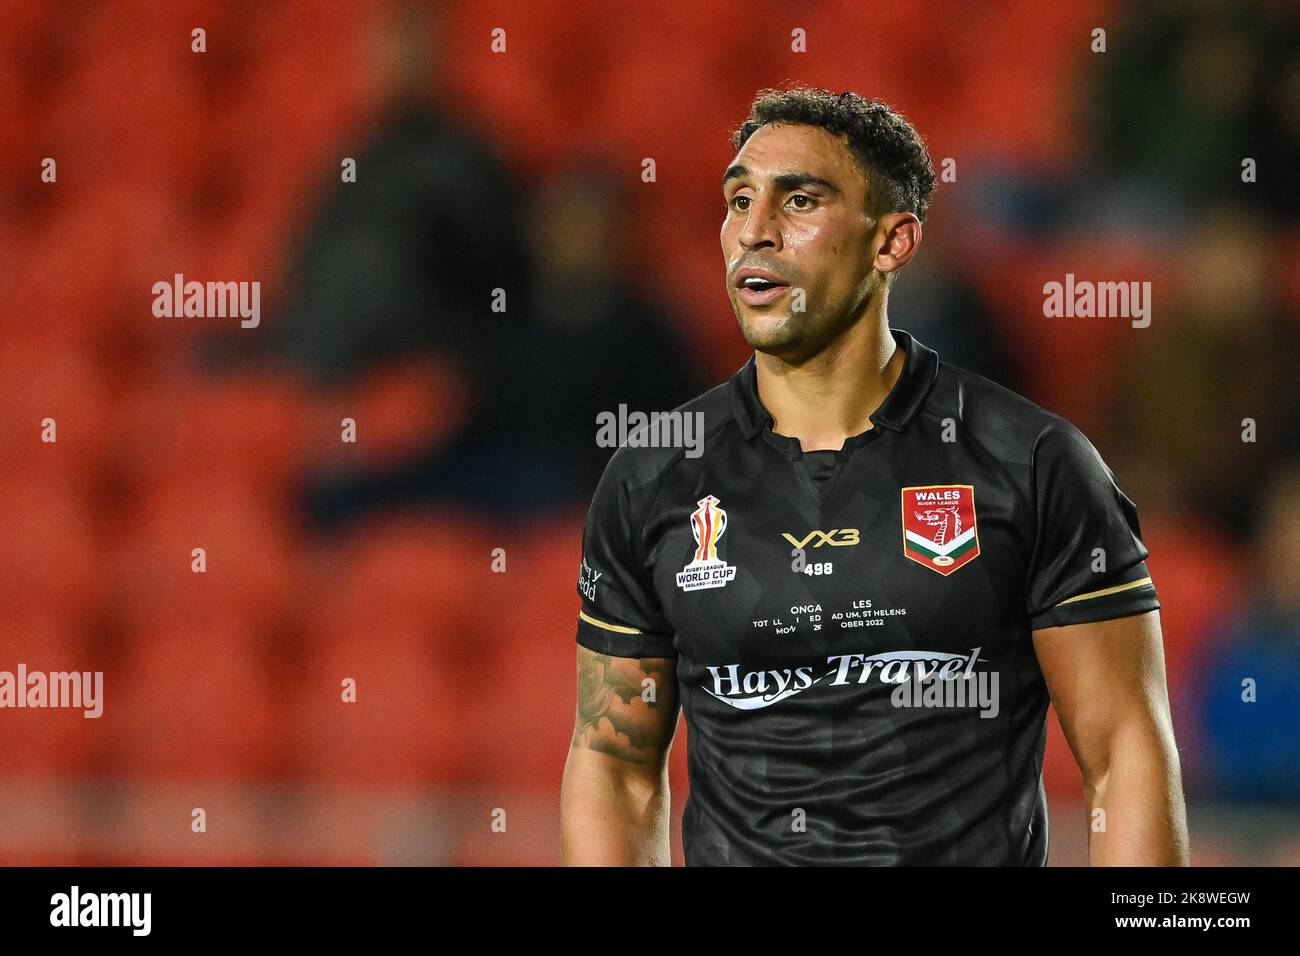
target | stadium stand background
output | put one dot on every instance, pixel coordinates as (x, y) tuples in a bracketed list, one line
[(522, 170)]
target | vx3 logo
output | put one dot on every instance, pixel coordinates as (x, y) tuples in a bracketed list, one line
[(839, 538)]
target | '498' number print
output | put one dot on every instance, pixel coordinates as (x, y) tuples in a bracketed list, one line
[(801, 565)]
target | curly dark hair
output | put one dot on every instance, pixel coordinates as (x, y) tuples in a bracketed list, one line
[(883, 141)]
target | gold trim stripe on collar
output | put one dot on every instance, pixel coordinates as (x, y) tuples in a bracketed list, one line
[(1104, 591)]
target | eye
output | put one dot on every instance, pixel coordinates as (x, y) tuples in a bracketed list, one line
[(736, 200), (809, 202)]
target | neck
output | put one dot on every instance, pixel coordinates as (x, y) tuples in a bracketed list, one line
[(831, 396)]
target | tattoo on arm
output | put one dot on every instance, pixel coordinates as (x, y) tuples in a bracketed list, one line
[(627, 707)]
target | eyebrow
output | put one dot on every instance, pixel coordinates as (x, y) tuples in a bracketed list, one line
[(785, 181)]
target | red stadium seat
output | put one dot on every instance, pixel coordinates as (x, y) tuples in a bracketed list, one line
[(406, 727), (47, 741), (532, 669), (193, 698), (1052, 350), (410, 574), (50, 557), (244, 435), (247, 544)]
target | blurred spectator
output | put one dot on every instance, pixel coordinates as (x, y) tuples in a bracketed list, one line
[(406, 260), (576, 342), (407, 256), (1252, 750), (1223, 352), (1186, 91), (937, 304)]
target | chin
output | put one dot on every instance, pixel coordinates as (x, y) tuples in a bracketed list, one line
[(768, 331)]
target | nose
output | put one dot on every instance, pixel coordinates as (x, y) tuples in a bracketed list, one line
[(761, 228)]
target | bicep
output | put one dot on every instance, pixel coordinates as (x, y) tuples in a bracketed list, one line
[(627, 707), (1106, 680)]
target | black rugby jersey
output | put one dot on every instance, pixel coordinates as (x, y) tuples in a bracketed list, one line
[(854, 655)]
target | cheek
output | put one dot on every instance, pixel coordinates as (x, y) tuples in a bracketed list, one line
[(727, 237), (829, 289)]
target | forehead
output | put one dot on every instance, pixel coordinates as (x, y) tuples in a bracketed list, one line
[(781, 148)]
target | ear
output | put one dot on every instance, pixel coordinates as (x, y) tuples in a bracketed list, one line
[(898, 236)]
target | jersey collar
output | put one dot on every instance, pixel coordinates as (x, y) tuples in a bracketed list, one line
[(920, 368)]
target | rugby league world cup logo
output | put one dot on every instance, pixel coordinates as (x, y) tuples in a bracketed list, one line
[(705, 570)]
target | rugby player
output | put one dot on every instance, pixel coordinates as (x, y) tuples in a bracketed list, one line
[(866, 590)]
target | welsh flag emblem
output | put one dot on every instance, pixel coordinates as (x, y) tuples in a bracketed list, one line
[(939, 526)]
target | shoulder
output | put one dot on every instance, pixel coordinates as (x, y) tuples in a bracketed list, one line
[(1009, 427), (658, 442)]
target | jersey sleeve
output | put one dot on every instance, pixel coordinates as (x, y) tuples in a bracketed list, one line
[(620, 614), (1088, 562)]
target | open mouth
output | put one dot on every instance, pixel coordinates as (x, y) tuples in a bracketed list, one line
[(760, 289)]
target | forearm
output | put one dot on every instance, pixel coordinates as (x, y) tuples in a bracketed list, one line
[(614, 796), (613, 813), (1136, 814)]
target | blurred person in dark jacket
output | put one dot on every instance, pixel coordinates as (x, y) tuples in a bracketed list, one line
[(575, 342), (406, 261), (1185, 93), (406, 257), (944, 309)]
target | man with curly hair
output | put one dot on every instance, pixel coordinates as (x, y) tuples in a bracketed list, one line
[(867, 589)]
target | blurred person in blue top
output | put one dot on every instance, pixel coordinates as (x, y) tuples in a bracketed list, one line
[(1249, 683)]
